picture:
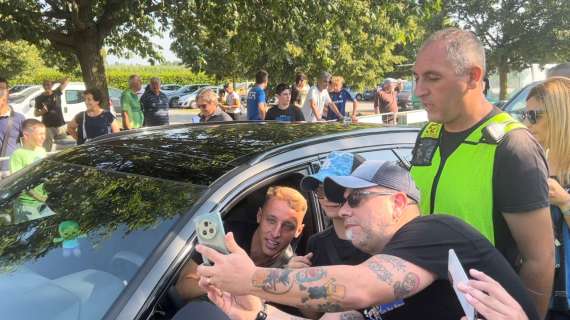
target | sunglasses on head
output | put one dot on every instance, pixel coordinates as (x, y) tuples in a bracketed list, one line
[(355, 198), (531, 115)]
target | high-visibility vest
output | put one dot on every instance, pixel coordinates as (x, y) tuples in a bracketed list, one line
[(462, 185)]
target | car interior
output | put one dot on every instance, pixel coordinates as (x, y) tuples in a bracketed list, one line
[(246, 208)]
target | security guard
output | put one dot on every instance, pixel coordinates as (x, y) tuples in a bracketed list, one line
[(477, 163)]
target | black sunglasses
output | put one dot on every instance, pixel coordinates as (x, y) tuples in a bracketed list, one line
[(531, 115), (355, 198)]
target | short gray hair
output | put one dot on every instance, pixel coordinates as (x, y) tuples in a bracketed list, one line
[(154, 79), (561, 70), (133, 77), (464, 49), (208, 95)]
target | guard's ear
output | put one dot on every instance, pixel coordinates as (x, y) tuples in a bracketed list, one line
[(400, 201), (475, 74), (259, 215)]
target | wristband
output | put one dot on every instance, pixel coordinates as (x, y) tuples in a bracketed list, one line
[(262, 315)]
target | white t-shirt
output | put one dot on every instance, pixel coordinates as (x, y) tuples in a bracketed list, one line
[(320, 97), (232, 98)]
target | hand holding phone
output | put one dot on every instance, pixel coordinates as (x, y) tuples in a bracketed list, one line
[(210, 232), (457, 275)]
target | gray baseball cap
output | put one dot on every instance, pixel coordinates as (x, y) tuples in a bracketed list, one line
[(372, 173)]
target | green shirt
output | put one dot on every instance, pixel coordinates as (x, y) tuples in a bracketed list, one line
[(132, 106), (22, 158)]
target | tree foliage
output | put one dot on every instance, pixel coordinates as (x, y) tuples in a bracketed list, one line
[(353, 38), (75, 32), (517, 33), (18, 58)]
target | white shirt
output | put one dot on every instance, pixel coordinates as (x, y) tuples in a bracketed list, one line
[(320, 97)]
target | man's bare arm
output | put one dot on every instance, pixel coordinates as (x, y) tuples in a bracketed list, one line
[(532, 232), (126, 120), (382, 279), (262, 110), (63, 84), (315, 110)]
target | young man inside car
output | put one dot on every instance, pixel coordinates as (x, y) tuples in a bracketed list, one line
[(267, 240)]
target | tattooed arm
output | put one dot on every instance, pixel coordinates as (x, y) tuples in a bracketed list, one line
[(380, 279)]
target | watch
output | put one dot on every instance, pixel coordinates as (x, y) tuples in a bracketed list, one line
[(262, 315)]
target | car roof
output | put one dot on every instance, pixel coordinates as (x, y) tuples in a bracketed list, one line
[(200, 153)]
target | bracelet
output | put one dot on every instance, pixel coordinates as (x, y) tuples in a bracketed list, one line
[(262, 314)]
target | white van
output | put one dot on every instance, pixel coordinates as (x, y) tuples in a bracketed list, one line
[(72, 101)]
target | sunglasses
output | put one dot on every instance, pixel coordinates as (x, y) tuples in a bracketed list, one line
[(355, 198), (531, 115)]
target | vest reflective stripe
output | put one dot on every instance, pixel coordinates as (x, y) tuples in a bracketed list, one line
[(462, 186)]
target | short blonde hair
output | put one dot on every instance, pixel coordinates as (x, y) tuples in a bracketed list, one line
[(337, 82), (554, 95), (294, 198)]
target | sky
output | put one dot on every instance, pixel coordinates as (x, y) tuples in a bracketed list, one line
[(163, 41)]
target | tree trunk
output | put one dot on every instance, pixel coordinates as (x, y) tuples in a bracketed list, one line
[(503, 80), (93, 67)]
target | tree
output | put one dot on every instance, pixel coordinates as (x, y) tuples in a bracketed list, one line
[(353, 38), (517, 33), (18, 58), (75, 31)]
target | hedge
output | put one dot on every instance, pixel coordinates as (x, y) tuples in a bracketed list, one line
[(117, 76)]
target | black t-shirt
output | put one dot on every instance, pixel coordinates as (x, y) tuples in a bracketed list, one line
[(292, 113), (328, 250), (93, 127), (425, 242), (155, 109), (54, 116), (519, 179)]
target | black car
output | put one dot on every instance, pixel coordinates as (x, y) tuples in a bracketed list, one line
[(117, 221), (517, 102)]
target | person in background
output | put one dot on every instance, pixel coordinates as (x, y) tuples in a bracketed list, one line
[(256, 102), (93, 122), (154, 105), (30, 204), (232, 102), (11, 123), (133, 117), (284, 110), (340, 96), (502, 190), (299, 90), (386, 101), (48, 106), (547, 116), (207, 102), (317, 99)]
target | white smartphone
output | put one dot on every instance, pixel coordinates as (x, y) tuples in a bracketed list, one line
[(210, 232), (457, 275)]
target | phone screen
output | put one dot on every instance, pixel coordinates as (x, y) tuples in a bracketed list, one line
[(457, 275)]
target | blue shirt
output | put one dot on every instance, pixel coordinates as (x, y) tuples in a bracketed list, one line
[(339, 98), (255, 96), (155, 109), (15, 134)]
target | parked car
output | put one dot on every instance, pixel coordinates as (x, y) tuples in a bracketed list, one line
[(517, 102), (173, 97), (369, 95), (122, 209), (189, 101), (19, 88), (72, 101), (169, 88)]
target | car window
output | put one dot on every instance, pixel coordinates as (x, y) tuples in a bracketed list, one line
[(518, 102), (73, 237), (74, 96)]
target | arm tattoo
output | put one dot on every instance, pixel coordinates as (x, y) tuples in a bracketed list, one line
[(275, 281), (403, 288), (396, 262), (310, 275), (381, 272), (351, 315)]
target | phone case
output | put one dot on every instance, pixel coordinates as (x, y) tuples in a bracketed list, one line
[(210, 231), (457, 275)]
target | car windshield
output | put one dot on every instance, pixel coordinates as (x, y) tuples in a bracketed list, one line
[(74, 237)]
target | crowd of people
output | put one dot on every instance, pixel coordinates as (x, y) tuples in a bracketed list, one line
[(493, 189)]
